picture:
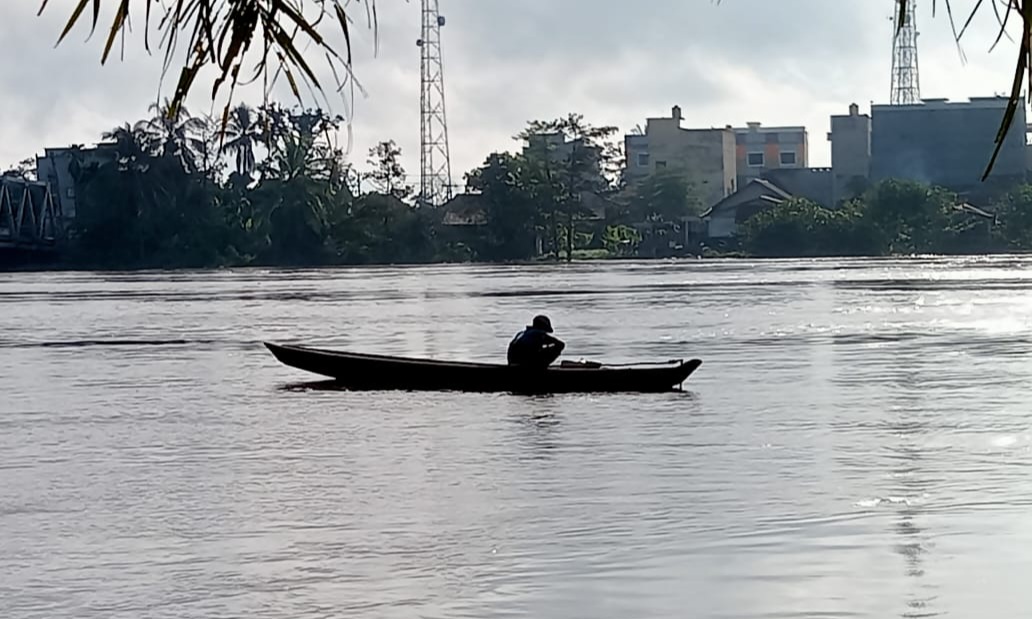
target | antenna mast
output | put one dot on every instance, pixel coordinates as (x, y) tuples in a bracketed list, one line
[(435, 186), (906, 81)]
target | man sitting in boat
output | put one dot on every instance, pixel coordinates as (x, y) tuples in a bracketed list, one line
[(535, 346)]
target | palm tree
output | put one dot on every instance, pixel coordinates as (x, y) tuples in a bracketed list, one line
[(243, 132), (178, 134), (209, 151), (300, 143), (132, 144)]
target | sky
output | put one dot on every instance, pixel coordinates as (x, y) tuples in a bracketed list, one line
[(778, 62)]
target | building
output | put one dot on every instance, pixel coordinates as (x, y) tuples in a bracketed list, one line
[(947, 143), (466, 215), (555, 146), (760, 149), (705, 156), (57, 168), (850, 139), (464, 209), (813, 184), (723, 219)]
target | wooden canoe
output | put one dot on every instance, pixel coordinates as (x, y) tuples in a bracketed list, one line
[(378, 372)]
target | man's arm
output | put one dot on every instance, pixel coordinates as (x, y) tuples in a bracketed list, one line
[(553, 342)]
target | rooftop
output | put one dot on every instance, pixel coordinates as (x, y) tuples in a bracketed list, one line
[(996, 102), (755, 127)]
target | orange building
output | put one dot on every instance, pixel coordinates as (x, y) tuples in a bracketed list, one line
[(759, 149)]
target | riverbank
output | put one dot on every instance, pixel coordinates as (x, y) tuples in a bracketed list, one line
[(578, 256)]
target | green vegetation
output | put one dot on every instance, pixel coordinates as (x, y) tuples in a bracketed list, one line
[(892, 218), (164, 199), (274, 189), (564, 195), (171, 191)]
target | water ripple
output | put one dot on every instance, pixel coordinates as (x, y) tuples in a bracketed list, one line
[(855, 446)]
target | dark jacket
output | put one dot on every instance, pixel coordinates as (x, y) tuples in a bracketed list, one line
[(534, 347)]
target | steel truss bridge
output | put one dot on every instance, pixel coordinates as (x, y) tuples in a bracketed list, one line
[(29, 218)]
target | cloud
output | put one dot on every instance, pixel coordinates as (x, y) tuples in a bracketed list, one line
[(787, 62)]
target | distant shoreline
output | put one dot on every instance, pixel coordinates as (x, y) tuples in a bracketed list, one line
[(65, 268)]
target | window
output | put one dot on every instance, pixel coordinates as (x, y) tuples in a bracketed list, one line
[(660, 165), (643, 160), (788, 158), (755, 160)]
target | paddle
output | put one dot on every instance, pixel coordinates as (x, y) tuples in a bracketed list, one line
[(596, 364), (580, 364)]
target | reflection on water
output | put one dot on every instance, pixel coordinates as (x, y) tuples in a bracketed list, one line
[(911, 489), (539, 429), (856, 444)]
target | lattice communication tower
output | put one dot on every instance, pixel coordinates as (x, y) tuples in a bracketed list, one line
[(435, 186), (906, 81)]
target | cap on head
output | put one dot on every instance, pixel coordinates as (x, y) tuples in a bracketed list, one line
[(542, 322)]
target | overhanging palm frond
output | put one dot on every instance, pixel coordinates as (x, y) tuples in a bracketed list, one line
[(248, 39), (243, 39)]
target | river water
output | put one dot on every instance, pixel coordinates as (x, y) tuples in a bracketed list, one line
[(856, 444)]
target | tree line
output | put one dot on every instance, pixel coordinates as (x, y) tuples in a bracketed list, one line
[(273, 188), (565, 193), (171, 191), (894, 217)]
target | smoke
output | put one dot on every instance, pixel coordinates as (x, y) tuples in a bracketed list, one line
[(910, 164)]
